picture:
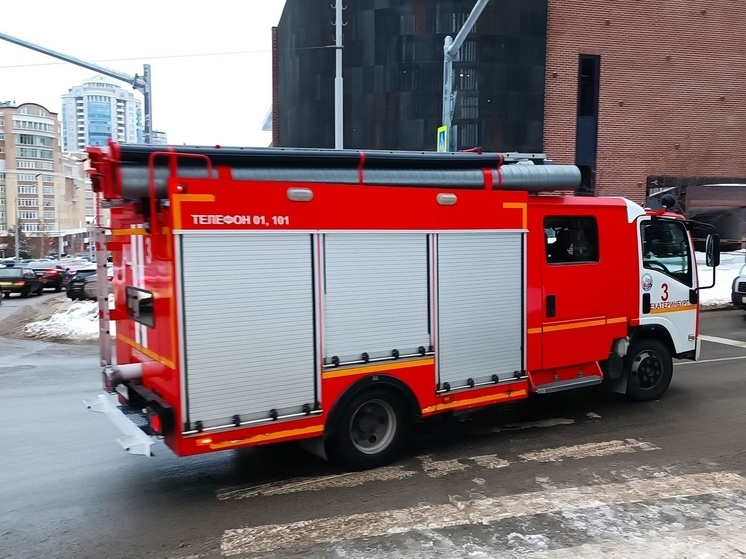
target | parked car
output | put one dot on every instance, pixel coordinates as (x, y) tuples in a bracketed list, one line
[(76, 282), (738, 295), (72, 267), (50, 274), (19, 279), (90, 287)]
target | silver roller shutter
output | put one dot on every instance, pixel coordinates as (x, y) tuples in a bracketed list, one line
[(249, 325), (480, 307), (376, 295)]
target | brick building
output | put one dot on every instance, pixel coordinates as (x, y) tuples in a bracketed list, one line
[(641, 95)]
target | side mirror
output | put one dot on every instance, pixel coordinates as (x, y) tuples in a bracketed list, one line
[(712, 250)]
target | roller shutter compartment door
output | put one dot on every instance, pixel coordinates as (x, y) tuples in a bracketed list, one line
[(480, 307), (249, 325), (376, 295)]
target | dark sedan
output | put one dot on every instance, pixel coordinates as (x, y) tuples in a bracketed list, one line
[(50, 274), (19, 280), (76, 283)]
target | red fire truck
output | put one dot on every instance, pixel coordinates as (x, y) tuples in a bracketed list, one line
[(266, 295)]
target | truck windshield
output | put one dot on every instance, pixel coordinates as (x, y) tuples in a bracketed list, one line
[(665, 248)]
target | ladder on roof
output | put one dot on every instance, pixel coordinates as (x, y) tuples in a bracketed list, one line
[(102, 296)]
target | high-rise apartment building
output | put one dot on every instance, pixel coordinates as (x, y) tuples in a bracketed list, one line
[(42, 190), (98, 110)]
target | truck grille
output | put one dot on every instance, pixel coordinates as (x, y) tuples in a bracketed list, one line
[(741, 287)]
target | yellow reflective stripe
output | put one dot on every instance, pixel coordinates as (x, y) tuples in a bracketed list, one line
[(472, 401), (518, 206), (179, 198), (264, 437), (333, 373), (145, 351), (673, 309), (581, 324)]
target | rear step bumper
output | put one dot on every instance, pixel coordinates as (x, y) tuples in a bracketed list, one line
[(135, 440)]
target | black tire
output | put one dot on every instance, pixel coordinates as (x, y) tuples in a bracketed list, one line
[(370, 432), (26, 292), (649, 369), (40, 291), (58, 288)]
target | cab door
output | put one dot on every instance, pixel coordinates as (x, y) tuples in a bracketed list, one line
[(667, 281), (576, 305)]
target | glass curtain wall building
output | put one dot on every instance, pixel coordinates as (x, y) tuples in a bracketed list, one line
[(393, 74), (98, 110)]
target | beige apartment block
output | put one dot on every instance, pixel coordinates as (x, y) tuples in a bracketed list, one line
[(42, 190)]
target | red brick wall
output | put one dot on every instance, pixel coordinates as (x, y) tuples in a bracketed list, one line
[(673, 88)]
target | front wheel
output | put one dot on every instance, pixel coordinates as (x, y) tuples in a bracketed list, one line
[(649, 369), (370, 432)]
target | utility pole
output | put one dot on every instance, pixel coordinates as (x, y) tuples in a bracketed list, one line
[(338, 99), (451, 49), (142, 84)]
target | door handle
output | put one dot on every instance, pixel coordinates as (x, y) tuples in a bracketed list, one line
[(551, 306)]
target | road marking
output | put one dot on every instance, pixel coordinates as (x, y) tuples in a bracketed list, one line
[(433, 468), (439, 468), (711, 360), (490, 462), (352, 479), (588, 450), (306, 533), (724, 341)]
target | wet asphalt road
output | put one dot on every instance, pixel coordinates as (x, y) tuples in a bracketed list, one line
[(68, 490)]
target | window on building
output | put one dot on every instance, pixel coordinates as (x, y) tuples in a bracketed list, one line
[(48, 203), (48, 215), (26, 214), (30, 227), (588, 87), (571, 239), (25, 164), (48, 191), (27, 189)]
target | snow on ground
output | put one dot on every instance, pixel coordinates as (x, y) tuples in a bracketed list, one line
[(730, 264), (77, 321)]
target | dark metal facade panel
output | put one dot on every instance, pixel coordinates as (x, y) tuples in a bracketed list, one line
[(393, 74)]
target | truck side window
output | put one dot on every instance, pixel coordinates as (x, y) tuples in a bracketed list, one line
[(571, 239), (140, 306), (665, 248)]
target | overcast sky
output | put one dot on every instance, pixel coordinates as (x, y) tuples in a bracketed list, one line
[(211, 62)]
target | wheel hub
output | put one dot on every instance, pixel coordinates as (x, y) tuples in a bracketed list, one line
[(647, 370), (373, 426)]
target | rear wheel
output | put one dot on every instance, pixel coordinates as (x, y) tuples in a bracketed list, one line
[(649, 369), (371, 430), (40, 291), (26, 292)]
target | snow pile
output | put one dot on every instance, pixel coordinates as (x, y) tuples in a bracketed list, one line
[(72, 321), (78, 321)]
